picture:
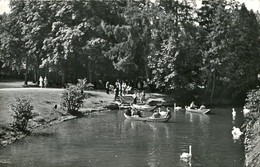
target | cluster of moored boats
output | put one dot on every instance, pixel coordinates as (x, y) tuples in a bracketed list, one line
[(158, 116)]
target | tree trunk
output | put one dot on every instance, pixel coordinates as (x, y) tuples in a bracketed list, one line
[(213, 85), (36, 75), (76, 68), (64, 75), (207, 87), (90, 72), (63, 78), (46, 71), (26, 74)]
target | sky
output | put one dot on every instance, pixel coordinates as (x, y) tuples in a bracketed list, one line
[(250, 4)]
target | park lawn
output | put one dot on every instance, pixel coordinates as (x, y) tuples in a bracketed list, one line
[(44, 100)]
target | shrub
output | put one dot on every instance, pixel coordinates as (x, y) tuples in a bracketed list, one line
[(253, 100), (253, 104), (72, 99), (22, 109)]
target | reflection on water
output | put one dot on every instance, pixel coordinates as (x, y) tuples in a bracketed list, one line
[(110, 140)]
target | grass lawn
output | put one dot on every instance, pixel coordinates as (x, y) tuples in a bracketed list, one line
[(43, 101)]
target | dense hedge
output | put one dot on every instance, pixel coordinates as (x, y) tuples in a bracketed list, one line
[(252, 129)]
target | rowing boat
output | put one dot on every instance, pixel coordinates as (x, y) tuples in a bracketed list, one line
[(143, 107), (147, 119), (122, 105), (202, 111)]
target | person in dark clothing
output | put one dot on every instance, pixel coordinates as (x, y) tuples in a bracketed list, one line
[(107, 87), (135, 98), (139, 113), (128, 112), (116, 90)]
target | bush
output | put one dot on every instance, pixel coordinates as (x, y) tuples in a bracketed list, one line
[(251, 127), (253, 100), (253, 104), (22, 109), (72, 99)]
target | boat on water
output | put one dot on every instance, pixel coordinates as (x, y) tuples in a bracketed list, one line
[(122, 105), (201, 111), (144, 107), (147, 119)]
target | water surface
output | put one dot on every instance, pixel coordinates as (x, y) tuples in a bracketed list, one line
[(109, 140)]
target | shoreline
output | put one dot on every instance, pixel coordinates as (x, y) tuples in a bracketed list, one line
[(43, 101), (9, 135)]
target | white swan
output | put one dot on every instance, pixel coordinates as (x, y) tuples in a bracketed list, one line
[(234, 113), (186, 155), (236, 133), (245, 111), (176, 108)]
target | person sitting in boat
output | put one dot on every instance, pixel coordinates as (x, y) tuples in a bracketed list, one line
[(139, 113), (168, 111), (202, 107), (192, 105), (135, 98), (142, 97), (128, 112), (157, 113), (136, 113), (133, 112)]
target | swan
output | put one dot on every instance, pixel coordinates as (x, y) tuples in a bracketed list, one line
[(176, 108), (236, 133), (234, 113), (186, 155), (245, 111)]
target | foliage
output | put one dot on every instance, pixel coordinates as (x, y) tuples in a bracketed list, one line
[(253, 104), (253, 100), (252, 127), (207, 52), (72, 99), (22, 109)]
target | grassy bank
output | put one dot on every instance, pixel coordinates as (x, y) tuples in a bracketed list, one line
[(43, 101)]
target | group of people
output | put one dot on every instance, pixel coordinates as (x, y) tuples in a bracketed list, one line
[(141, 96), (121, 88), (43, 82), (160, 113), (134, 112), (194, 106), (157, 114)]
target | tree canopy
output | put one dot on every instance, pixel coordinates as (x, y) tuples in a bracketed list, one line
[(201, 53)]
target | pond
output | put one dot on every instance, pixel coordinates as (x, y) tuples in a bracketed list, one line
[(108, 139)]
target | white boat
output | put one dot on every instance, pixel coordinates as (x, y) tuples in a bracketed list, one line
[(143, 107), (122, 105), (201, 111), (147, 119)]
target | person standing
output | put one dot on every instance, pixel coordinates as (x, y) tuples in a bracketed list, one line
[(41, 81), (142, 97), (135, 98), (107, 87), (45, 82), (120, 88), (116, 90)]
